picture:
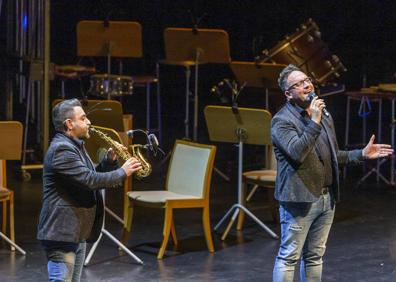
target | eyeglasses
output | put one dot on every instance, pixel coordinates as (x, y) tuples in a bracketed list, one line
[(300, 83)]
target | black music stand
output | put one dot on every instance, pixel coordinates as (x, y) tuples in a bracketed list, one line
[(190, 47), (258, 75), (244, 126), (96, 145), (109, 39)]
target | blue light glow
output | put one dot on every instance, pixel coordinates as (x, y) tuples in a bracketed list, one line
[(25, 22)]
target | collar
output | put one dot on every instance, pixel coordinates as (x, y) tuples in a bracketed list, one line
[(300, 110), (78, 142)]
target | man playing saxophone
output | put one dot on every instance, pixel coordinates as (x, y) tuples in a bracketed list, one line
[(72, 210)]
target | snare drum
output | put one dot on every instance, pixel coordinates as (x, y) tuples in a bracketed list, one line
[(305, 49), (103, 85)]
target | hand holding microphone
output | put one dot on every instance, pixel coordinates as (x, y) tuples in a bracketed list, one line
[(317, 107)]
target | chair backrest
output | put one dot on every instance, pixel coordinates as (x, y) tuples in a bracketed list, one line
[(270, 159), (106, 113), (190, 169), (11, 133)]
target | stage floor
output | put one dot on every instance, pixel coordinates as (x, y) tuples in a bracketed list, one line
[(361, 247)]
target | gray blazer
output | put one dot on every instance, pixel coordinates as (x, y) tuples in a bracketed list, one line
[(73, 208), (299, 178)]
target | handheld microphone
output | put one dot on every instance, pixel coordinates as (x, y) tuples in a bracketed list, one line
[(313, 95)]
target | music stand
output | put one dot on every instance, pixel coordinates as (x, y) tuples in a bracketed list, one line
[(190, 47), (258, 75), (246, 126), (109, 39), (97, 142)]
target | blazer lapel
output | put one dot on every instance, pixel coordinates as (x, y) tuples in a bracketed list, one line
[(330, 135)]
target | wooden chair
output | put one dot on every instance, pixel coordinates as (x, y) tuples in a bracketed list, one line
[(10, 149), (187, 186)]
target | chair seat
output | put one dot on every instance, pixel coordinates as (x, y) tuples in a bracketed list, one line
[(262, 175), (158, 196), (4, 192)]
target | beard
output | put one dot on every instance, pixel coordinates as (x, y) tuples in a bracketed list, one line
[(303, 103), (84, 135)]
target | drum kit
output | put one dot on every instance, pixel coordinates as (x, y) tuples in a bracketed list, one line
[(101, 85), (305, 49)]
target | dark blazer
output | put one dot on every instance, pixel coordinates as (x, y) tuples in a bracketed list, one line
[(73, 208), (299, 178)]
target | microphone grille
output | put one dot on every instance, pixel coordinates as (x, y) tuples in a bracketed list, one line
[(153, 139)]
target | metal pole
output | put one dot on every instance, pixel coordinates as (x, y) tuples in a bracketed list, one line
[(187, 118), (195, 130), (46, 75)]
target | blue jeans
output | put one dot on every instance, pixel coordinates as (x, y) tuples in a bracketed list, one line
[(305, 228), (66, 265)]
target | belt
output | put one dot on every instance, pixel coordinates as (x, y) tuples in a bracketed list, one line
[(324, 191)]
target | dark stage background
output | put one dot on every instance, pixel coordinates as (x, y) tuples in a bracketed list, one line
[(361, 33)]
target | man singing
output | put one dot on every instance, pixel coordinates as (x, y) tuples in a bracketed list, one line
[(72, 211), (307, 182)]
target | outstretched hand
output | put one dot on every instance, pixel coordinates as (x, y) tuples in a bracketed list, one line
[(374, 151)]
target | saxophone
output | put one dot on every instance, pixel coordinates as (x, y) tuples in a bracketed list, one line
[(123, 153)]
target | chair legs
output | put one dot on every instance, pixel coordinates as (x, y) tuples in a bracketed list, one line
[(5, 217), (173, 233), (168, 220), (207, 230), (127, 223), (168, 229), (12, 227), (4, 220), (254, 189)]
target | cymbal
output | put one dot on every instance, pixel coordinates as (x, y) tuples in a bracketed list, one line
[(73, 71), (180, 63)]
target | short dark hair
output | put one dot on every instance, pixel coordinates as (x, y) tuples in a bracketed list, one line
[(62, 111), (284, 74)]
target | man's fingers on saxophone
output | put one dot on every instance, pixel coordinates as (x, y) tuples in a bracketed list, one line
[(131, 165), (135, 164)]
